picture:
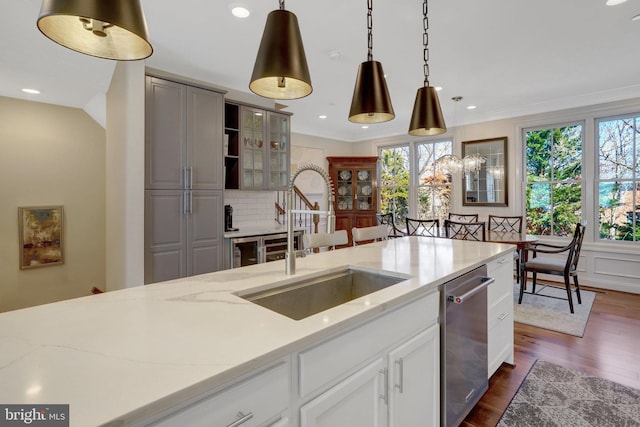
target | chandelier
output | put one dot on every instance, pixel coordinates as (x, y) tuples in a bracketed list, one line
[(454, 164)]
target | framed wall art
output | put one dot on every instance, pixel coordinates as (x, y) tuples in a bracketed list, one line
[(41, 236)]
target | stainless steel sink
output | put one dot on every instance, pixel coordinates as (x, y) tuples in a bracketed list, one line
[(305, 298)]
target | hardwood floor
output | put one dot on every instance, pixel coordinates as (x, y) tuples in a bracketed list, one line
[(609, 349)]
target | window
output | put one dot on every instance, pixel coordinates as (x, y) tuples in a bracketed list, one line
[(553, 179), (618, 178), (433, 185), (410, 183), (394, 182)]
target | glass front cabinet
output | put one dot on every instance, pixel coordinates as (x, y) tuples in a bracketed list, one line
[(355, 181), (257, 157)]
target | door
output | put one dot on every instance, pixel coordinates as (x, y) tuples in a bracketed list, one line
[(253, 149), (356, 401), (414, 395), (165, 235), (165, 134), (205, 232), (204, 139), (278, 148)]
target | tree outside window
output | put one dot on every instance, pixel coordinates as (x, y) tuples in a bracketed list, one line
[(431, 193), (619, 178), (394, 182), (434, 185), (554, 180)]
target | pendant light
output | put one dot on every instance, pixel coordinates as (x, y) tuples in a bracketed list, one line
[(426, 118), (370, 102), (111, 29), (280, 70)]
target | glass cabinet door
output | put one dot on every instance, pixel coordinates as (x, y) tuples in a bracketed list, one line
[(344, 192), (364, 190), (252, 148), (278, 149)]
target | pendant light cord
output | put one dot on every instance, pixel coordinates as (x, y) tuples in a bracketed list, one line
[(369, 30), (425, 42), (281, 4)]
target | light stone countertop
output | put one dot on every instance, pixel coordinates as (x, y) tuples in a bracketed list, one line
[(120, 357), (258, 229)]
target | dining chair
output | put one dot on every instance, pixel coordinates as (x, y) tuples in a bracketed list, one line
[(463, 217), (388, 220), (324, 240), (465, 230), (565, 266), (507, 224), (423, 227), (368, 234)]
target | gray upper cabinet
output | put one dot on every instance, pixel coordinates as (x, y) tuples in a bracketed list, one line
[(259, 158), (183, 180), (183, 137)]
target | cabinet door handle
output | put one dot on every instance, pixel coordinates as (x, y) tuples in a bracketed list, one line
[(242, 418), (185, 203), (190, 202), (185, 178), (385, 395), (503, 260), (190, 178), (400, 363)]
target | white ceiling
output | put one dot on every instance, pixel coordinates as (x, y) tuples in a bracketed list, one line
[(508, 57)]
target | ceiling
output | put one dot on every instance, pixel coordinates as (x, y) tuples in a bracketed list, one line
[(509, 58)]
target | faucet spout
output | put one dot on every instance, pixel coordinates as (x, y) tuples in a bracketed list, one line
[(290, 256)]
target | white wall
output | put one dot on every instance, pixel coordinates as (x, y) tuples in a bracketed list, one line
[(51, 155), (125, 176)]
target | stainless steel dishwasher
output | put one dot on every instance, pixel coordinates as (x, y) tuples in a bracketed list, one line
[(463, 341)]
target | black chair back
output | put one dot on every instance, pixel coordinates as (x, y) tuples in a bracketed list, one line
[(465, 230), (510, 224), (423, 227)]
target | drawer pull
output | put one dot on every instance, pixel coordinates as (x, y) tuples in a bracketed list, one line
[(242, 418), (503, 316)]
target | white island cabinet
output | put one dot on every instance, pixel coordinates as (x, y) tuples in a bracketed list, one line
[(193, 352), (385, 372), (500, 313)]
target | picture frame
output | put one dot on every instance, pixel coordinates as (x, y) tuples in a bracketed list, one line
[(41, 236), (488, 185)]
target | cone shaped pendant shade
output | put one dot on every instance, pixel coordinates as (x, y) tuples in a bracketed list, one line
[(111, 29), (426, 118), (371, 102), (281, 71)]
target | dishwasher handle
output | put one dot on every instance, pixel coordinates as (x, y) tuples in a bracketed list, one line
[(459, 299)]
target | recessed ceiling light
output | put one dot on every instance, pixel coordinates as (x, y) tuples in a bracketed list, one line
[(365, 127), (322, 116), (239, 10), (438, 88), (31, 91), (615, 2), (471, 107)]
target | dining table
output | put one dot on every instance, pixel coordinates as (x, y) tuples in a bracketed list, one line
[(521, 240)]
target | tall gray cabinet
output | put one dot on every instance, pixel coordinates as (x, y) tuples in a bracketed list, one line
[(183, 180)]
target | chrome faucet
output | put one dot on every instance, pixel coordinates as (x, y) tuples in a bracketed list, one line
[(290, 256)]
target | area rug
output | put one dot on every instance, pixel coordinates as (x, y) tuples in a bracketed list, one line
[(553, 396), (552, 313)]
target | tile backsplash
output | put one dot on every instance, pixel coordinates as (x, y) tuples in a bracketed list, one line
[(251, 207)]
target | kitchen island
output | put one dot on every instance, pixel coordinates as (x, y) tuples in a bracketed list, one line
[(124, 357)]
